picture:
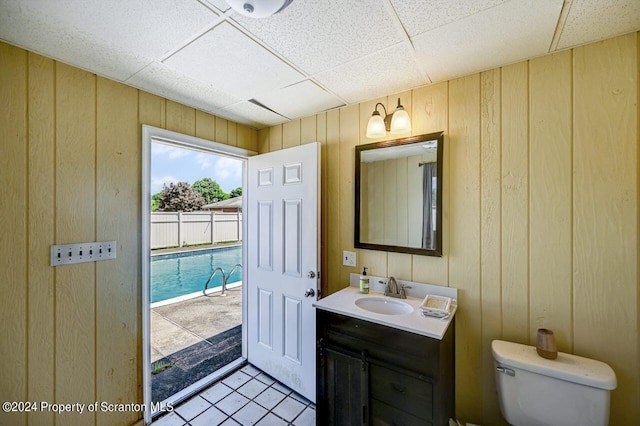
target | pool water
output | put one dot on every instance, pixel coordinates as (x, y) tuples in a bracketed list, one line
[(179, 274)]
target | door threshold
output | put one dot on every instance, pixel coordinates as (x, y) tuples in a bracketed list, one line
[(198, 386)]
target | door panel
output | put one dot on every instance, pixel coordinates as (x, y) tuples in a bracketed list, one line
[(265, 235), (292, 237), (265, 318), (283, 263)]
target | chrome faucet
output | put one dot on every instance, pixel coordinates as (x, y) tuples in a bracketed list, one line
[(392, 289)]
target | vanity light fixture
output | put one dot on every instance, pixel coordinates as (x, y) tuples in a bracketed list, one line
[(258, 8), (396, 122)]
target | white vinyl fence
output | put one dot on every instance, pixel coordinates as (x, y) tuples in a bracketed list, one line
[(176, 229)]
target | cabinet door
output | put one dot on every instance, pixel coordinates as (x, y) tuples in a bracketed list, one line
[(342, 393)]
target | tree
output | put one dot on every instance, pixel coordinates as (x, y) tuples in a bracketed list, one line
[(155, 201), (180, 197), (235, 192), (210, 190)]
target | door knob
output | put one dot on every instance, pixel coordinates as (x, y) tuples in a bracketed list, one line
[(311, 274), (309, 293)]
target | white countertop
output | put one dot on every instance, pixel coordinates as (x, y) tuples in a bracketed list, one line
[(343, 302)]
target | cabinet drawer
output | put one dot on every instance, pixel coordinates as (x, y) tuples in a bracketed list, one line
[(385, 415), (402, 391), (398, 347)]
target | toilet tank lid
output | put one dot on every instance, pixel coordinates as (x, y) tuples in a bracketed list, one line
[(572, 368)]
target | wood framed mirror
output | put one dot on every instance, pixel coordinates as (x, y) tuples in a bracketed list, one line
[(398, 195)]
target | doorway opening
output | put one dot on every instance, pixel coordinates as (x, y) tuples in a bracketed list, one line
[(193, 312)]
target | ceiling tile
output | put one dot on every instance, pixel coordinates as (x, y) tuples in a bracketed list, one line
[(318, 35), (102, 34), (161, 80), (251, 114), (221, 5), (229, 60), (300, 100), (388, 71), (419, 16), (590, 20), (498, 36), (56, 40)]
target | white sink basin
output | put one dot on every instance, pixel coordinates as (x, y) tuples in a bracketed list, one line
[(385, 306)]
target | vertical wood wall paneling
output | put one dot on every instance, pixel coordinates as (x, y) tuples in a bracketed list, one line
[(550, 202), (205, 126), (376, 261), (263, 140), (349, 138), (275, 138), (118, 301), (430, 109), (333, 202), (222, 133), (41, 233), (75, 223), (245, 138), (13, 238), (181, 118), (605, 289), (232, 134), (515, 203), (291, 134), (464, 256), (308, 130), (151, 110), (490, 232)]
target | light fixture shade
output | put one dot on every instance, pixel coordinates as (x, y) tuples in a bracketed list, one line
[(258, 8), (376, 127), (400, 123)]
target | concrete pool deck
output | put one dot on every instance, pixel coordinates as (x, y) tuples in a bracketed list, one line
[(180, 325)]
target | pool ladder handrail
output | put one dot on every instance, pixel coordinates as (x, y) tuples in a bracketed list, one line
[(224, 279)]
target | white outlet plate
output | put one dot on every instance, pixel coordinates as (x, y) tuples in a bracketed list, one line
[(65, 254), (349, 258)]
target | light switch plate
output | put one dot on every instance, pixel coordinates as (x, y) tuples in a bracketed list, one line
[(349, 258), (65, 254)]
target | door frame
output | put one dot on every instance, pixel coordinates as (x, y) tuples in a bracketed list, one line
[(154, 134)]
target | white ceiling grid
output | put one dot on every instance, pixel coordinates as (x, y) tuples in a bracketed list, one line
[(313, 56)]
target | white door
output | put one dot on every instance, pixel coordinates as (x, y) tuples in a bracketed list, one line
[(283, 265)]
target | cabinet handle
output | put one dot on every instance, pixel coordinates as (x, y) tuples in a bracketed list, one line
[(398, 388)]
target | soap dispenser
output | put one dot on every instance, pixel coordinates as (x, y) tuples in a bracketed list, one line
[(364, 282)]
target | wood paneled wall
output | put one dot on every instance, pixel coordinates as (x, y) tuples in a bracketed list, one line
[(541, 189), (70, 152)]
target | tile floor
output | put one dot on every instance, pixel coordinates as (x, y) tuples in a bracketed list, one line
[(246, 397)]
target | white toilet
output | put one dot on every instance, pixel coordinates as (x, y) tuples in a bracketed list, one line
[(569, 390)]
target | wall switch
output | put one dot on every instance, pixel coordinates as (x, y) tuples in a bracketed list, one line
[(65, 254), (349, 258)]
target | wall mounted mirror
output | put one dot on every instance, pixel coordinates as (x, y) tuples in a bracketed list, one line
[(398, 205)]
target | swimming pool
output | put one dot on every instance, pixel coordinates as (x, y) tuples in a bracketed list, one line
[(181, 274)]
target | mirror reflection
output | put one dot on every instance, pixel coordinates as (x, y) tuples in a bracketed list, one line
[(398, 201)]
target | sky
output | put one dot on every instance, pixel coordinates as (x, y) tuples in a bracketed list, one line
[(173, 164)]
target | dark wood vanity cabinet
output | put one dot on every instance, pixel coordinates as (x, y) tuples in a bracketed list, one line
[(370, 374)]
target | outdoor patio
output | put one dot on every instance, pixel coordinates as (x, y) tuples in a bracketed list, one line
[(196, 337)]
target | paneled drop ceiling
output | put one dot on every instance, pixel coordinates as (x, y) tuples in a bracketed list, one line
[(313, 56)]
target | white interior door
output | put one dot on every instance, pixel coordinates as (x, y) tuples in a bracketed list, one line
[(283, 264)]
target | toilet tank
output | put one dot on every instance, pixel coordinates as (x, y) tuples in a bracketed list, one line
[(569, 390)]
